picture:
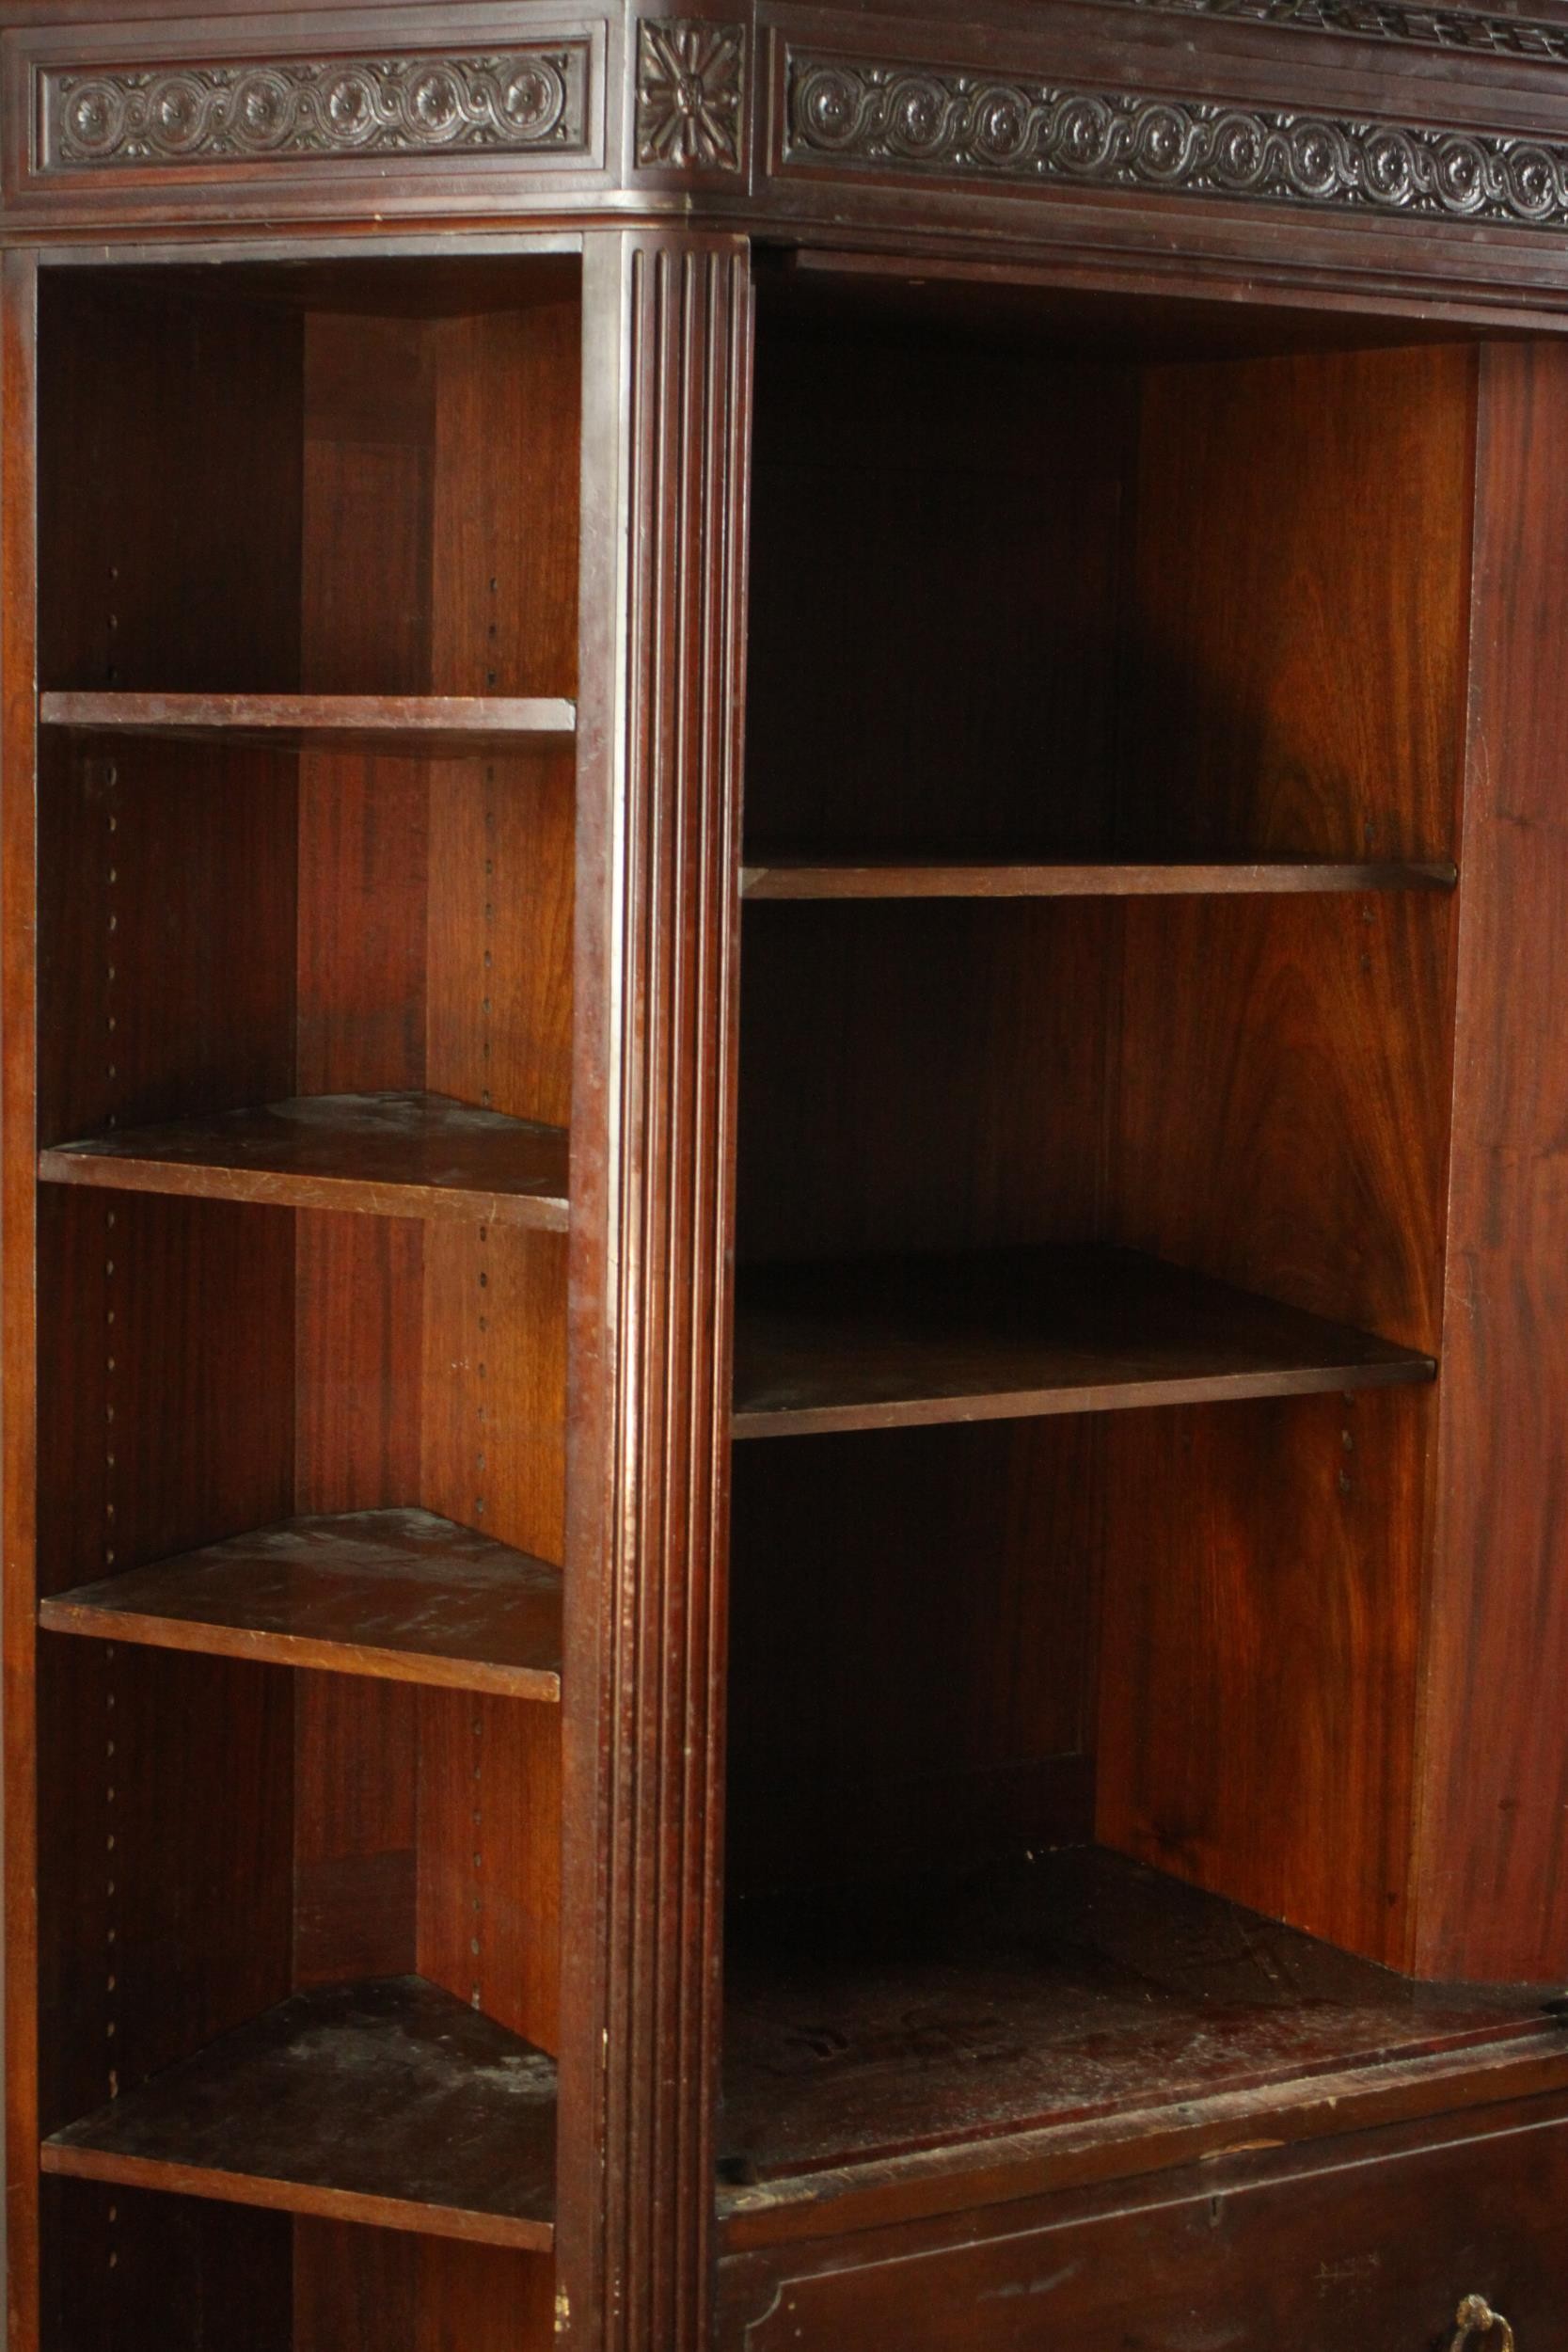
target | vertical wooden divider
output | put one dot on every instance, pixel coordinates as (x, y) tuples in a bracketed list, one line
[(668, 336), (18, 1220)]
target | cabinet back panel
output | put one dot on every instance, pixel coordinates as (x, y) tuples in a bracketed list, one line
[(1262, 1576), (165, 1875), (921, 1076), (934, 590), (127, 2269), (1298, 606), (379, 2291), (169, 485), (167, 901), (911, 1648)]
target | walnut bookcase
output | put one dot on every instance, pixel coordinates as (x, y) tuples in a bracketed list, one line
[(781, 846)]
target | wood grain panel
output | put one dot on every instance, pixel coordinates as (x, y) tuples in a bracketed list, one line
[(128, 2268), (933, 625), (186, 578), (1282, 1099), (495, 1393), (355, 1818), (923, 1077), (1262, 1592), (911, 1648), (381, 2290), (489, 1857), (1298, 606), (1492, 1853), (358, 1362)]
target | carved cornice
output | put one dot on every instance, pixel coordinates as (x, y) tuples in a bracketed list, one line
[(961, 126), (691, 94), (1367, 20), (522, 100)]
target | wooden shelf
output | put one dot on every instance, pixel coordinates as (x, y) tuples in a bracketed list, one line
[(382, 1154), (417, 727), (864, 2027), (402, 1596), (387, 2102), (966, 878), (887, 1342)]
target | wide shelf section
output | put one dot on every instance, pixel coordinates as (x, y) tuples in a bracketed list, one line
[(416, 727), (996, 1335), (765, 877), (400, 1595), (1077, 1985), (417, 1155), (387, 2102)]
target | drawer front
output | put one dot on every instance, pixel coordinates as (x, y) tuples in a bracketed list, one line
[(1369, 2256)]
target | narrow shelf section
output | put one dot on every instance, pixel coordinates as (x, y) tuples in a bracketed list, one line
[(400, 1595), (886, 1342), (866, 2028), (387, 2102), (417, 727), (965, 878), (382, 1154)]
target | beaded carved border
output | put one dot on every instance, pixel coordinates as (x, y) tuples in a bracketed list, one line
[(525, 100), (978, 126)]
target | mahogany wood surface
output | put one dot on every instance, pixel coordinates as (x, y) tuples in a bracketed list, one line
[(888, 1343), (1489, 1860), (358, 2289), (767, 876), (387, 2102), (399, 1594), (418, 727), (382, 1154)]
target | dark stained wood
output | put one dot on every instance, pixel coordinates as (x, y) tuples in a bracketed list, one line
[(384, 2102), (667, 375), (21, 1326), (1491, 1881), (127, 2267), (1262, 1580), (886, 1342), (359, 2290), (434, 726), (803, 877), (355, 1829), (929, 1686), (402, 1595), (380, 1155), (1372, 2238), (1065, 1988)]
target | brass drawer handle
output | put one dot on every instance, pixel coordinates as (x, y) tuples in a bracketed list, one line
[(1478, 2319)]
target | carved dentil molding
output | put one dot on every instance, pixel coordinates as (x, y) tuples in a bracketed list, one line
[(691, 94), (519, 102), (959, 125), (1370, 19)]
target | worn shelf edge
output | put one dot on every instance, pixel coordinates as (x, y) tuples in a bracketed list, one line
[(797, 878), (344, 1152), (416, 725), (275, 2195), (272, 1598), (388, 2102), (1025, 1334)]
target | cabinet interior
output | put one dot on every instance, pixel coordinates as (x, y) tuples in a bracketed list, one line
[(305, 1096), (1106, 743)]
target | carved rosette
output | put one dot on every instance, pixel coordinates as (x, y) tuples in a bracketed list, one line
[(521, 102), (964, 125), (690, 95), (1429, 29)]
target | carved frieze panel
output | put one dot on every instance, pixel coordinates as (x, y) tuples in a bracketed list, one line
[(850, 113), (691, 94), (527, 100), (1370, 19)]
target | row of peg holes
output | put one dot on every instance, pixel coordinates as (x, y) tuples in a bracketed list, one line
[(114, 1860), (484, 1432)]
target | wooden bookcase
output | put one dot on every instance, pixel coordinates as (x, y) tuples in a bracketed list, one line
[(782, 854)]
